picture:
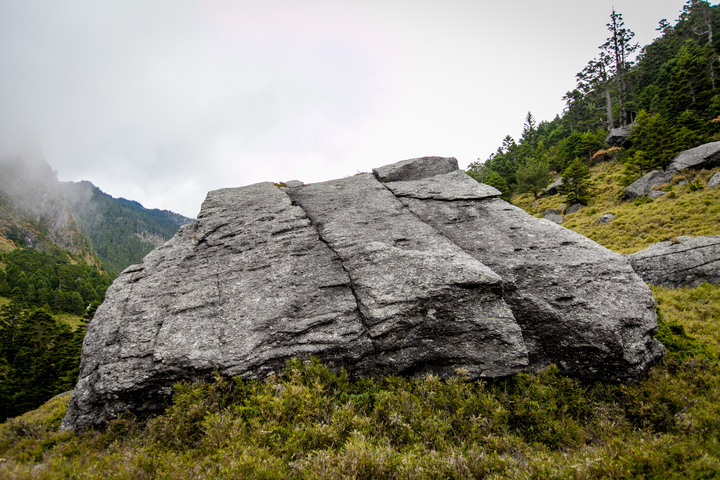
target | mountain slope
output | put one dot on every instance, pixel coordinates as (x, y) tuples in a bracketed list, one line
[(33, 210), (39, 211), (122, 231)]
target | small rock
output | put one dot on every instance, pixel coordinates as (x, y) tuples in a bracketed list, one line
[(574, 208), (606, 218), (619, 136), (554, 217), (293, 183), (553, 188), (655, 194), (680, 262), (551, 211), (714, 181)]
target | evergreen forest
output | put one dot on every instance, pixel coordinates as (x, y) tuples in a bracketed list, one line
[(668, 91)]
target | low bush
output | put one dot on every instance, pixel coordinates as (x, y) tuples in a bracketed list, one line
[(309, 422)]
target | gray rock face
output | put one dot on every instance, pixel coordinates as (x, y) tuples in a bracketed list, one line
[(606, 218), (574, 208), (619, 137), (416, 168), (554, 217), (393, 277), (579, 305), (552, 189), (456, 185), (684, 261), (643, 185), (704, 156), (714, 180)]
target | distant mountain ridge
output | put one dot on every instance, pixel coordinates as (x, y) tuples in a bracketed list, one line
[(121, 231), (39, 211)]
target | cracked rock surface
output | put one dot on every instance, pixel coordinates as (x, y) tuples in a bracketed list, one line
[(682, 262), (414, 269)]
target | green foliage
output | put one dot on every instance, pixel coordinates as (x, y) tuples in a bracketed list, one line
[(308, 422), (533, 177), (685, 210), (39, 358), (494, 179), (575, 184), (55, 279), (672, 91)]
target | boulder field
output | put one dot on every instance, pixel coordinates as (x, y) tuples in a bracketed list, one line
[(413, 269)]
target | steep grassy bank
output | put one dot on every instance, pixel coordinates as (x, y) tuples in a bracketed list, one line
[(687, 209), (309, 423)]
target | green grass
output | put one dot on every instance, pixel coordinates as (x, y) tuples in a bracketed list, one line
[(684, 210), (4, 301), (73, 320), (310, 423)]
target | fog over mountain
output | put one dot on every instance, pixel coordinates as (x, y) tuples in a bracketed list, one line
[(162, 101)]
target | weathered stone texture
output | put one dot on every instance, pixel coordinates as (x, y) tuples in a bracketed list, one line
[(579, 305), (424, 273), (703, 156), (683, 261), (644, 184)]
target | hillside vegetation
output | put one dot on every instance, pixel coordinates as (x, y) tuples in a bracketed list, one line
[(689, 208), (310, 423)]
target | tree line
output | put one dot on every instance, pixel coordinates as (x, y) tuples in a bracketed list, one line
[(669, 93)]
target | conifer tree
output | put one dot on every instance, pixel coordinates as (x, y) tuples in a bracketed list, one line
[(575, 184)]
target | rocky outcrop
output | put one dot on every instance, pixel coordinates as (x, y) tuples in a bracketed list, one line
[(680, 262), (643, 185), (704, 156), (552, 189), (620, 137), (416, 269), (574, 208), (606, 218)]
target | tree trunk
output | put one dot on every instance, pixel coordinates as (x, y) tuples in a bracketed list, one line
[(608, 107)]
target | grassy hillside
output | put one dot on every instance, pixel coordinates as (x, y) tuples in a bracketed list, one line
[(689, 209)]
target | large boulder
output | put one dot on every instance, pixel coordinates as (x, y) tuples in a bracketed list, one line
[(644, 184), (680, 262), (704, 156), (423, 271)]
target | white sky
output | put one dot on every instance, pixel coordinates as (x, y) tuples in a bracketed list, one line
[(160, 101)]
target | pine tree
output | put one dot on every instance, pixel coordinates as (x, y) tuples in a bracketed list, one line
[(575, 184), (533, 176)]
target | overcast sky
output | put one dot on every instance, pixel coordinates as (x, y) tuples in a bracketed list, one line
[(160, 101)]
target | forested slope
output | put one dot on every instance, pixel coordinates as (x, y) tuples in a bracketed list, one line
[(669, 92)]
